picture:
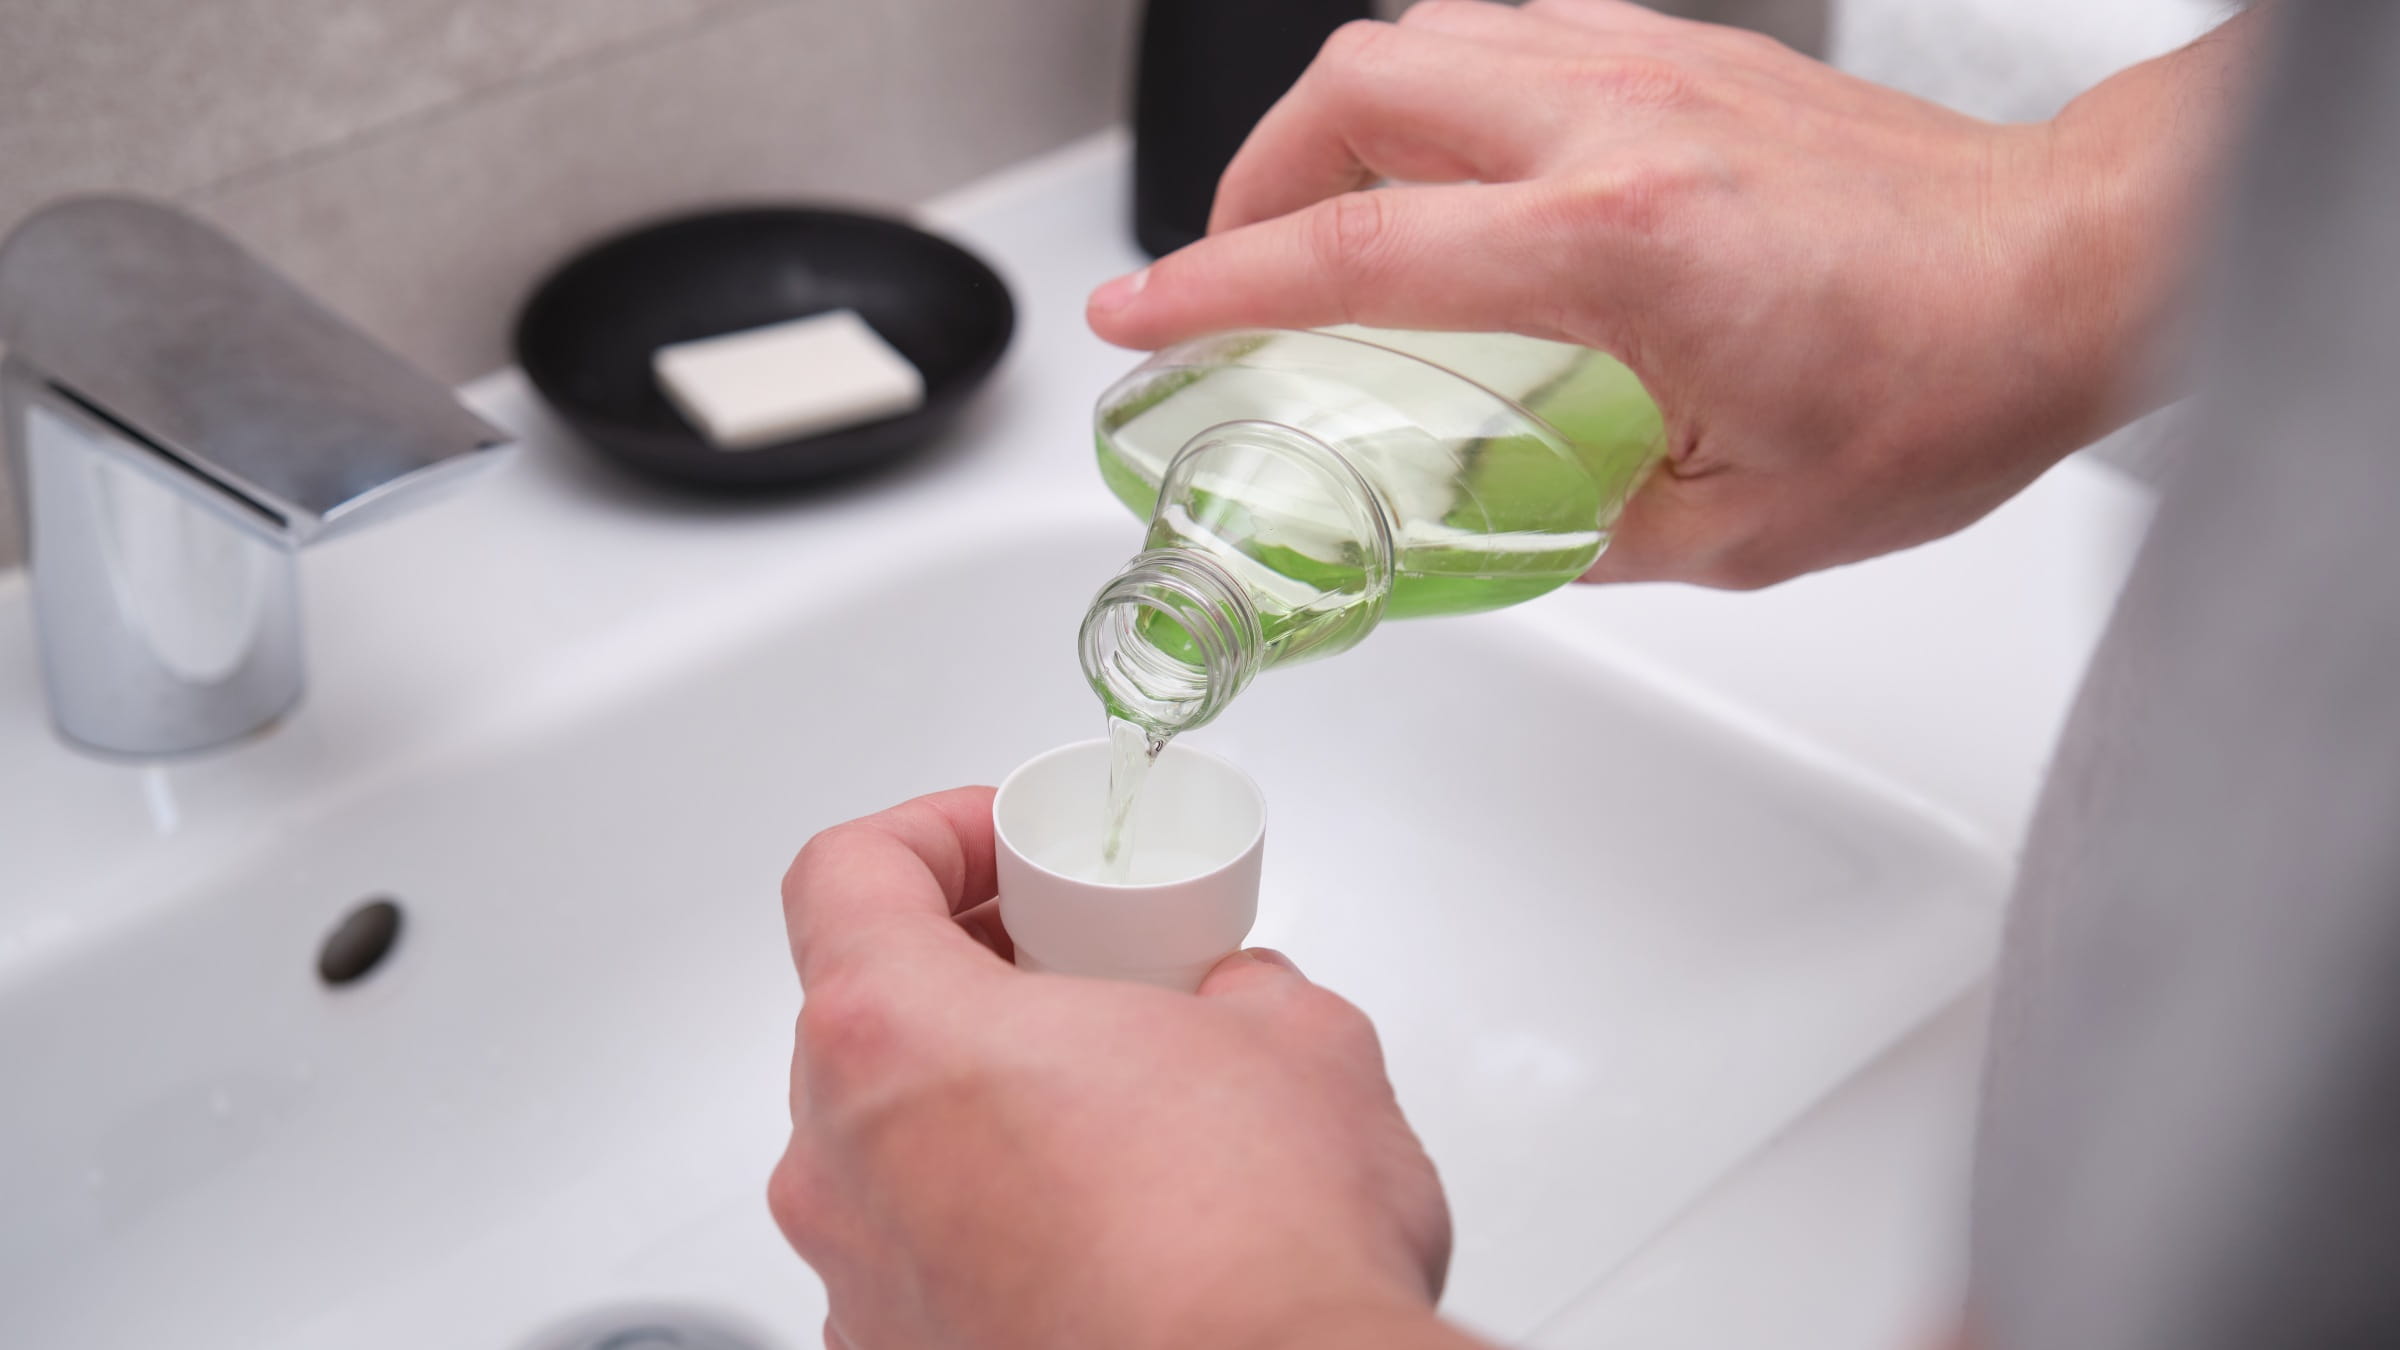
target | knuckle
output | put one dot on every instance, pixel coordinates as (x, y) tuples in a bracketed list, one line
[(1355, 44), (793, 1202), (1642, 195), (1350, 232), (795, 877), (822, 848), (1339, 1025), (1630, 81), (846, 1029)]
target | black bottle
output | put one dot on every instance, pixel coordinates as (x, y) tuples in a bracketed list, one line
[(1208, 70)]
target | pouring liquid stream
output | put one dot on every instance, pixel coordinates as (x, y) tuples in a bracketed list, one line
[(1132, 750)]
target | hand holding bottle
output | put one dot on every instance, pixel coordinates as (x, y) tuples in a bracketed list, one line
[(1867, 320)]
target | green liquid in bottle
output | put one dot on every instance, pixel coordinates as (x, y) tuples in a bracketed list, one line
[(1333, 479)]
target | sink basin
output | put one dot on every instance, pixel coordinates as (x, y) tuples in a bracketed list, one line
[(1613, 939)]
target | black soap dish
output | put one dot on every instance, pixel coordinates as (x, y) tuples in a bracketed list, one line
[(586, 336)]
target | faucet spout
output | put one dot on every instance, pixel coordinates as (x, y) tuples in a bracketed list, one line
[(182, 420)]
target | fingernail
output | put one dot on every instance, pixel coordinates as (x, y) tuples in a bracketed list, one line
[(1119, 293), (1270, 956)]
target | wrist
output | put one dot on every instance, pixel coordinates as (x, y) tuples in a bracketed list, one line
[(2123, 179)]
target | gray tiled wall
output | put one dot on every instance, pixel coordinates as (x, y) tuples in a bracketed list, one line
[(417, 163)]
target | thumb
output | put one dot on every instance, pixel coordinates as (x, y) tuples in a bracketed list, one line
[(1255, 974)]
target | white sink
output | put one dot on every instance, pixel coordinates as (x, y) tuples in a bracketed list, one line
[(1612, 943)]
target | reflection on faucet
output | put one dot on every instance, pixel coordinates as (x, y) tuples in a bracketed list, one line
[(182, 420)]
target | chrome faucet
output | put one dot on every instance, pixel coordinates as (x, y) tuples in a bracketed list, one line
[(181, 420)]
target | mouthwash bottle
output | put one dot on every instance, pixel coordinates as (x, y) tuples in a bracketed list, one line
[(1302, 487)]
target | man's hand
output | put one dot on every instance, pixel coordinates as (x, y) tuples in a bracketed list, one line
[(983, 1159), (1867, 319)]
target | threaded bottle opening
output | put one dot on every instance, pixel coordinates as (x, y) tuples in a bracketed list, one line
[(1309, 486), (1170, 640)]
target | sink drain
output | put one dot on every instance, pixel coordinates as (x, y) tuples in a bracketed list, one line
[(650, 1329), (359, 943)]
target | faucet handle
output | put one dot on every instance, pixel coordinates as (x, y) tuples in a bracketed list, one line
[(164, 328)]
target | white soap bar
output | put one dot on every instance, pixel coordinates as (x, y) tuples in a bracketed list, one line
[(766, 385)]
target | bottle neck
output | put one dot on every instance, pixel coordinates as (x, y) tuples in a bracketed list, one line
[(1170, 641)]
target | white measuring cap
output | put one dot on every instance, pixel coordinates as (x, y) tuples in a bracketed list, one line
[(1198, 834)]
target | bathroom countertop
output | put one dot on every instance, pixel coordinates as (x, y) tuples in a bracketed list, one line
[(555, 583)]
